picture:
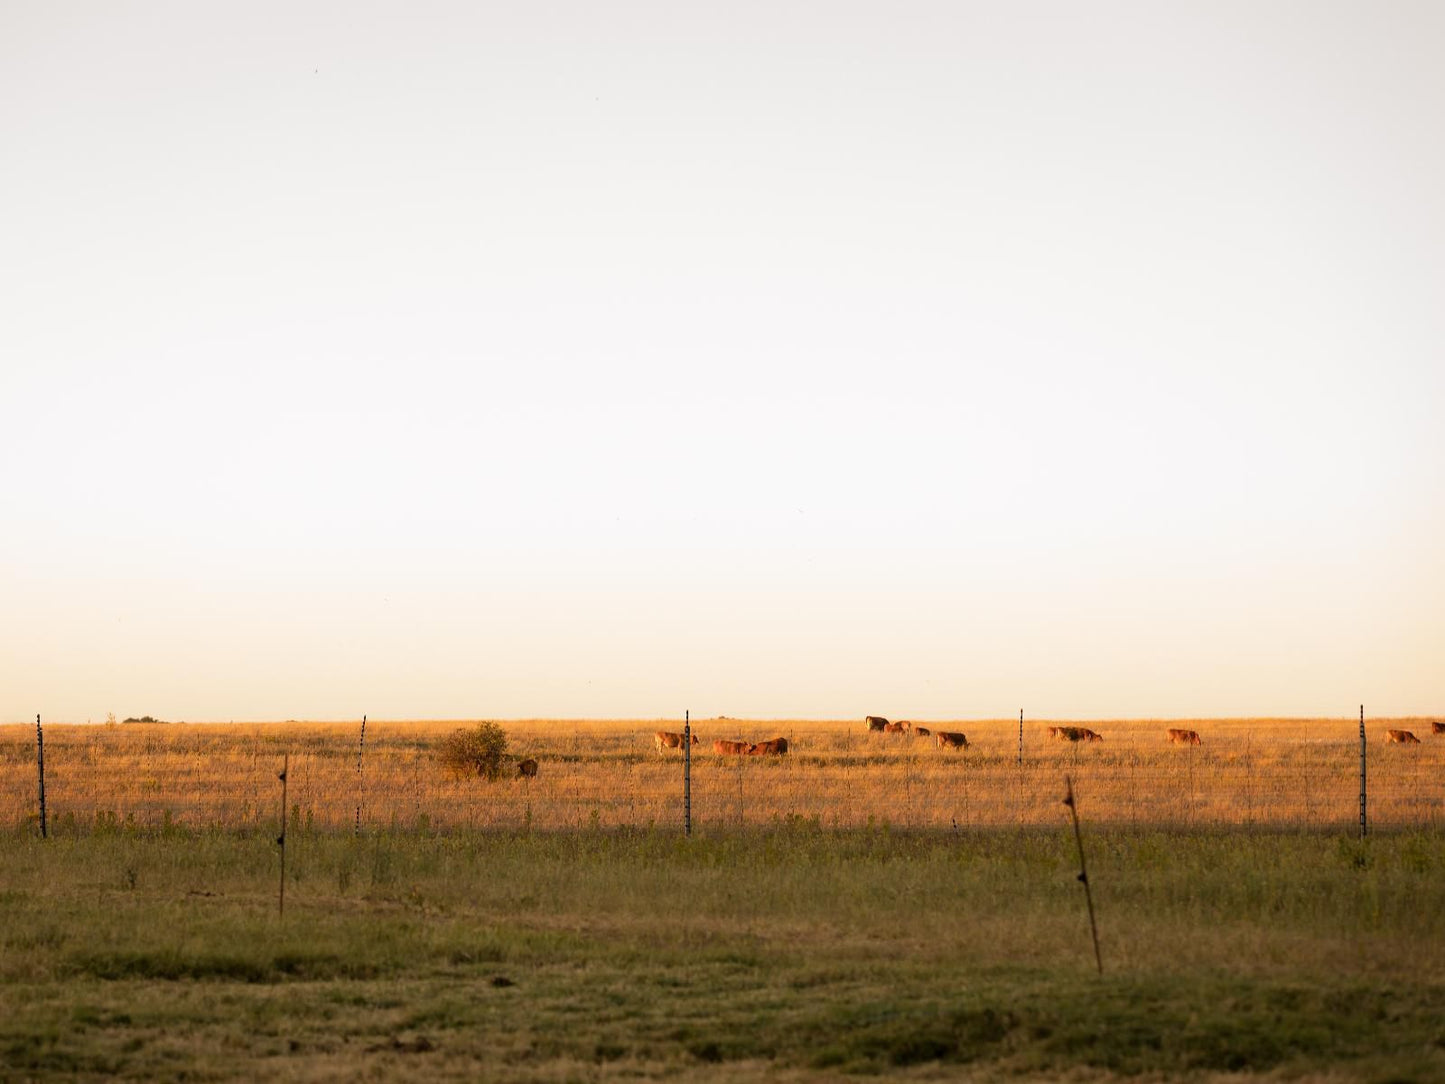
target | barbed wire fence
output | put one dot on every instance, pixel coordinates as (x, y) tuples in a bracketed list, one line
[(100, 779)]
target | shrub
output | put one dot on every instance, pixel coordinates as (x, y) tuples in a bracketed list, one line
[(480, 751)]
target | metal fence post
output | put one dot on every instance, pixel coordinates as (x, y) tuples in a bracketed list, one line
[(687, 774), (40, 768), (281, 839), (360, 746), (1364, 827)]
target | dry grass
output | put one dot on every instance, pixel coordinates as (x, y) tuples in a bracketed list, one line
[(1298, 772)]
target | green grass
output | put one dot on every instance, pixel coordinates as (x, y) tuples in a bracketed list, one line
[(791, 953)]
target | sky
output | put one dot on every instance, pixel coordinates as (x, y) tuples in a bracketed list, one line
[(812, 360)]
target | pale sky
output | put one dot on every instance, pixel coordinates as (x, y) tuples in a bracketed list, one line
[(759, 359)]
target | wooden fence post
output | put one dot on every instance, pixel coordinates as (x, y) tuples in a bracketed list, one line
[(1083, 870)]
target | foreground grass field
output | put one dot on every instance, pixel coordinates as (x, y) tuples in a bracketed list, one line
[(792, 952)]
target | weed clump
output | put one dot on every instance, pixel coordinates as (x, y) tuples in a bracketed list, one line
[(480, 751)]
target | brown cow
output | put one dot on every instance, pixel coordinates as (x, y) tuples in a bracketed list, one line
[(1437, 728), (731, 748), (527, 769), (894, 728), (667, 739), (1400, 737), (922, 731), (775, 748), (949, 739), (905, 724), (1183, 737), (1074, 733), (875, 722)]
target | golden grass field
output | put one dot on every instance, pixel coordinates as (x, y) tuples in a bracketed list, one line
[(1290, 772)]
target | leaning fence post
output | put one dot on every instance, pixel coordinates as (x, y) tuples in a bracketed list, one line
[(1083, 870), (1363, 825), (687, 773), (281, 839), (40, 768), (361, 745)]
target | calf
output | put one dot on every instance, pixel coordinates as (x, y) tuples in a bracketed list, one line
[(1184, 737), (1400, 737), (667, 739), (948, 739), (731, 748)]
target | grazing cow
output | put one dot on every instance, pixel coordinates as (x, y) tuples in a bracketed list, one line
[(905, 724), (1183, 737), (1437, 728), (894, 728), (922, 731), (775, 748), (948, 739), (527, 769), (731, 748), (1074, 733), (1400, 737), (667, 739), (875, 722)]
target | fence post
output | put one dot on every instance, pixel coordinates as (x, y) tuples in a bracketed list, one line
[(1083, 870), (1363, 825), (361, 745), (687, 773), (40, 768), (1021, 737), (1190, 818), (281, 839)]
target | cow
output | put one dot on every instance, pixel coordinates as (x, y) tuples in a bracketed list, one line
[(948, 739), (1437, 728), (922, 731), (894, 728), (527, 769), (1074, 733), (905, 724), (1183, 737), (667, 739), (775, 748), (1400, 737), (731, 748), (875, 722)]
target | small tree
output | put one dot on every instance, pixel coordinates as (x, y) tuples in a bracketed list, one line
[(480, 751)]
